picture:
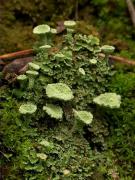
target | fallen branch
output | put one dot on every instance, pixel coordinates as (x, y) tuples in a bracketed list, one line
[(30, 52), (131, 10)]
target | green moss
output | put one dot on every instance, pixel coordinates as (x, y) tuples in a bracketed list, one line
[(16, 37)]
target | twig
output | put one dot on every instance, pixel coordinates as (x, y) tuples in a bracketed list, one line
[(131, 10), (30, 52), (119, 59), (17, 54)]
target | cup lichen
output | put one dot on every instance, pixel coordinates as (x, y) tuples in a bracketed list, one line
[(111, 100), (27, 108), (59, 91)]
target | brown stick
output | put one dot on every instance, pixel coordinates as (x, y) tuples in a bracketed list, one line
[(119, 59), (17, 54), (131, 10), (29, 52)]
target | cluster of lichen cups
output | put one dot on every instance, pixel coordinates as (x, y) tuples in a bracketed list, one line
[(60, 91), (31, 75), (45, 33)]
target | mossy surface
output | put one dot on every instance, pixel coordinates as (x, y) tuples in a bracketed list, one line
[(111, 135)]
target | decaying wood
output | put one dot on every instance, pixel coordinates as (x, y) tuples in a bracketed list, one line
[(131, 10), (30, 52), (15, 67), (18, 66)]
